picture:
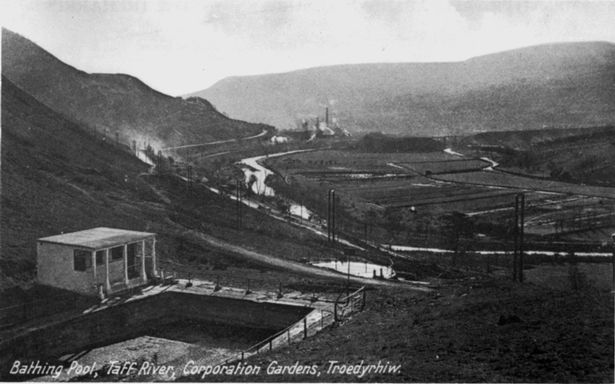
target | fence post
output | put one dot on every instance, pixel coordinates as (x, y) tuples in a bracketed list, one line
[(322, 319), (288, 332), (364, 299), (335, 311), (305, 333), (270, 344)]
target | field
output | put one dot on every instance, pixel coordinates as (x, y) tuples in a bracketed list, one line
[(436, 183), (519, 182), (445, 166), (343, 161)]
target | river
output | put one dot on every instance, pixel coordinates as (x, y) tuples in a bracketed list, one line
[(252, 167)]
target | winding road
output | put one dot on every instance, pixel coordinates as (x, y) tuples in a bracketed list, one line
[(263, 133), (300, 267)]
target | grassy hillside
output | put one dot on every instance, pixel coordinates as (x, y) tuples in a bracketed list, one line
[(470, 331), (58, 177), (521, 140), (568, 83), (111, 103), (580, 155)]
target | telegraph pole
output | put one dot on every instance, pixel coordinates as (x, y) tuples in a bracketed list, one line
[(519, 232), (333, 229), (516, 240), (238, 201), (331, 216), (613, 260), (521, 237)]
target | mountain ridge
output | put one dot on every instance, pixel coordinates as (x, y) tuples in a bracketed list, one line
[(351, 89), (114, 103)]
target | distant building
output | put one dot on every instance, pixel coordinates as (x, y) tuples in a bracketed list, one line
[(324, 130), (97, 261), (279, 139)]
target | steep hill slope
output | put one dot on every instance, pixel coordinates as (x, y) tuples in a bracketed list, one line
[(556, 84), (114, 103), (58, 177)]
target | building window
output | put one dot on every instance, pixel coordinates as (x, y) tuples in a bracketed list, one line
[(117, 253), (100, 257), (82, 260)]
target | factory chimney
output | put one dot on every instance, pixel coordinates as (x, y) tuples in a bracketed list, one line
[(327, 116)]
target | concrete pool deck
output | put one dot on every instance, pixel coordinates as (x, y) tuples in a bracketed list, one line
[(294, 315), (208, 288)]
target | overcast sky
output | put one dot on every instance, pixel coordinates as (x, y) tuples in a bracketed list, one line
[(180, 46)]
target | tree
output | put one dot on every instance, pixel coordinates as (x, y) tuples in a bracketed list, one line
[(283, 206)]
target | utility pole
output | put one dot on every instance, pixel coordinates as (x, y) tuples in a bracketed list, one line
[(516, 240), (333, 227), (331, 215), (238, 202), (519, 232), (522, 235), (189, 172), (613, 260)]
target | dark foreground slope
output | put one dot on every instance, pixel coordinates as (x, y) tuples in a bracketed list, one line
[(113, 103), (477, 330), (559, 84)]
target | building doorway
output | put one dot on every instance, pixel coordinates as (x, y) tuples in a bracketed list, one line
[(131, 255)]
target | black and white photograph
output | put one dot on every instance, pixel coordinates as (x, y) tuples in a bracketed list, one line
[(408, 191)]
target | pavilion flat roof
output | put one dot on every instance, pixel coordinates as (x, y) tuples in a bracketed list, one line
[(98, 238)]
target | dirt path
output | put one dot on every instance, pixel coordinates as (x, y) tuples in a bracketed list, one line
[(263, 133), (299, 267)]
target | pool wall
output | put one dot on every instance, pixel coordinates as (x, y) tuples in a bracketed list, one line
[(130, 319)]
